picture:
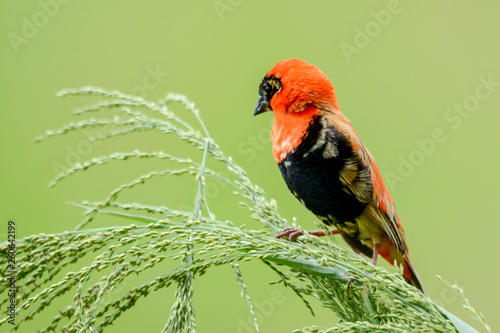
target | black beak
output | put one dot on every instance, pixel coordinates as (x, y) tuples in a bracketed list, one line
[(262, 106)]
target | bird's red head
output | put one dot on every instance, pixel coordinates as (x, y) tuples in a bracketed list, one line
[(292, 86), (296, 92)]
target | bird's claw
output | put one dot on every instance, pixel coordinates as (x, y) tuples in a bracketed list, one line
[(292, 233)]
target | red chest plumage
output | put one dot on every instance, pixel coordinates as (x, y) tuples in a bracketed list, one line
[(289, 129)]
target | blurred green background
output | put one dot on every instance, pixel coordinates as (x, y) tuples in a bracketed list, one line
[(411, 75)]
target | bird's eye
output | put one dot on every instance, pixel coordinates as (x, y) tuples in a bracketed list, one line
[(267, 88), (270, 86)]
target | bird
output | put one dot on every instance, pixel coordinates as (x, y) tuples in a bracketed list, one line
[(327, 167)]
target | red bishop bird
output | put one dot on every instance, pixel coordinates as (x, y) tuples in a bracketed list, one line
[(327, 167)]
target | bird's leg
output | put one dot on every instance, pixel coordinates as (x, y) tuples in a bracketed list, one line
[(374, 263), (293, 233), (375, 254)]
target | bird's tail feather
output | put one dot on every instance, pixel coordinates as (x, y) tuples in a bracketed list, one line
[(411, 275), (389, 252)]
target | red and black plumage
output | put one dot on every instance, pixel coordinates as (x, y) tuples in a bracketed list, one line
[(327, 167)]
